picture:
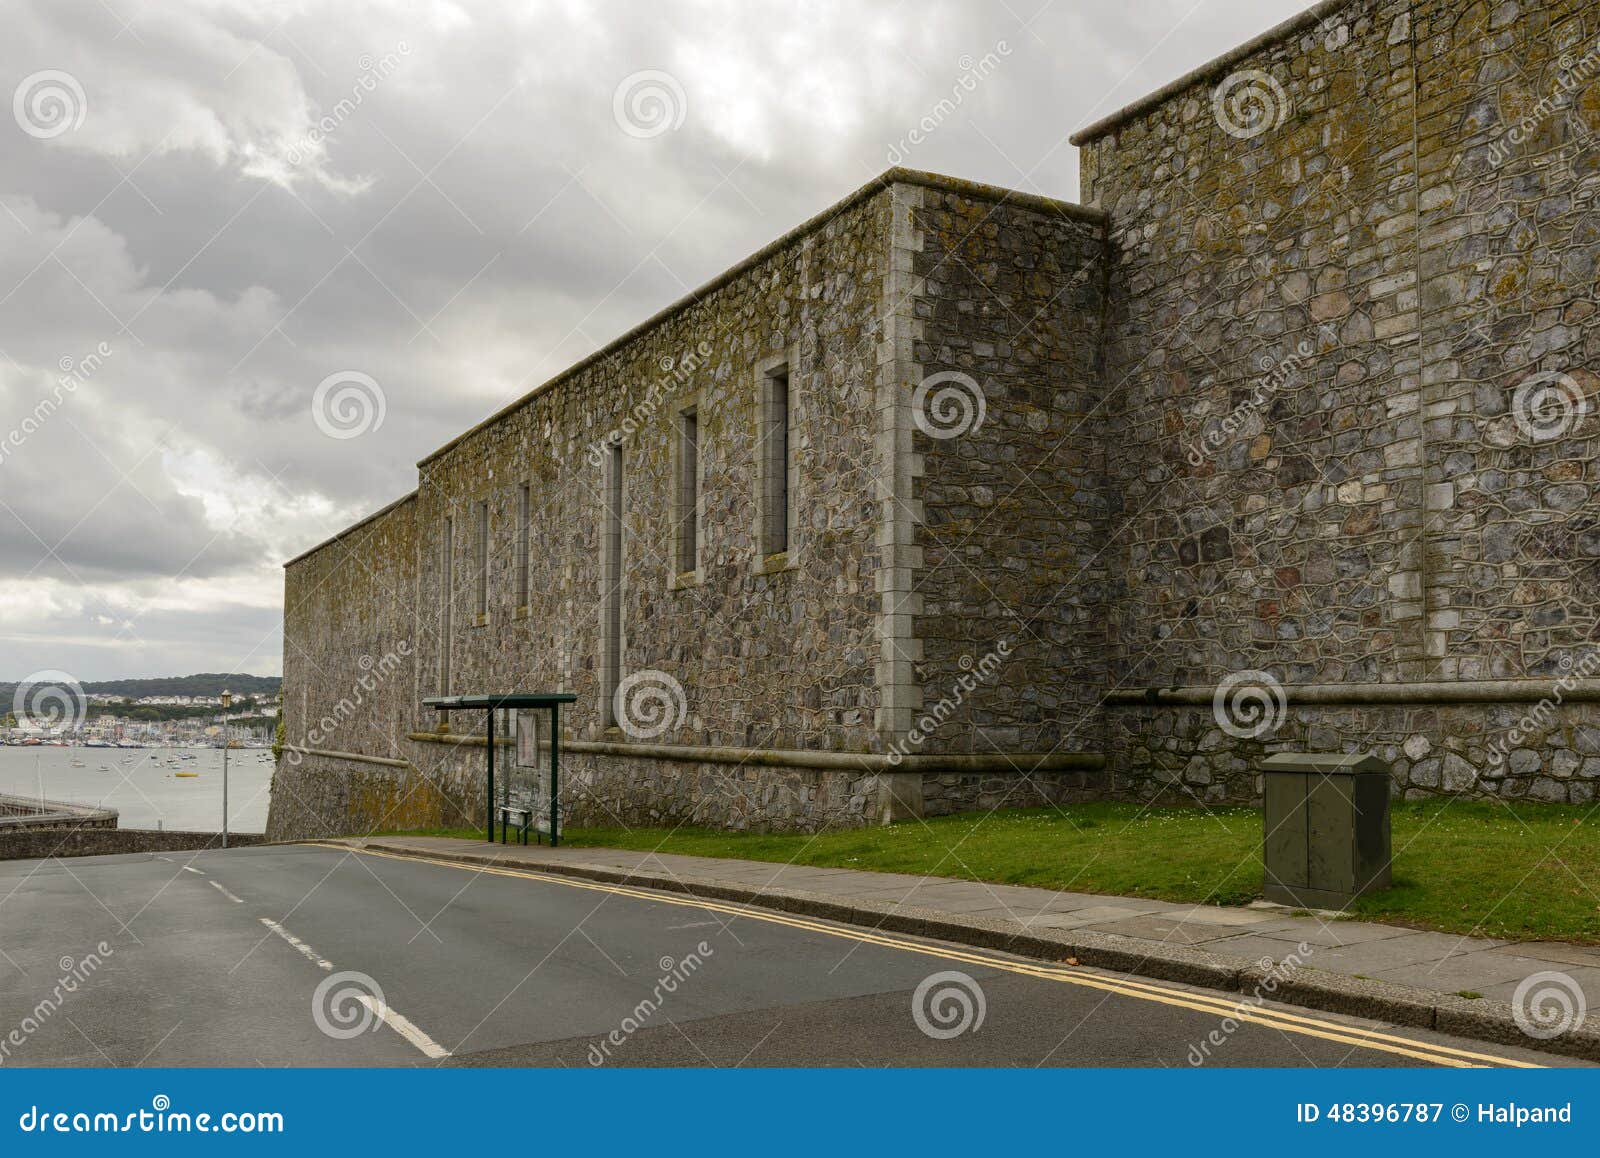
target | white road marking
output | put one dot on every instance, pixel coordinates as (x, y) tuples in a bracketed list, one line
[(226, 893), (306, 951), (192, 869), (398, 1022), (403, 1026)]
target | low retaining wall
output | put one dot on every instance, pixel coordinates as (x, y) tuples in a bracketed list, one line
[(324, 793), (1509, 750), (37, 843), (23, 812), (327, 793)]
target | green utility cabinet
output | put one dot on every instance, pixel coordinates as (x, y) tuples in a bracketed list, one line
[(1326, 820)]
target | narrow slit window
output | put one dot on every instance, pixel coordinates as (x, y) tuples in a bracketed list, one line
[(524, 551), (774, 452), (446, 604), (611, 590), (481, 564), (688, 490)]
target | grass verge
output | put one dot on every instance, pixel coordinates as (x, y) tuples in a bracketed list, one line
[(1518, 871)]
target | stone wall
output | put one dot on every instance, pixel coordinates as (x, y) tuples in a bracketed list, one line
[(24, 812), (772, 657), (1321, 321), (1012, 513), (1287, 441), (35, 844)]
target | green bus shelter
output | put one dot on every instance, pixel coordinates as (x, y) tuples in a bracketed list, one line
[(520, 701)]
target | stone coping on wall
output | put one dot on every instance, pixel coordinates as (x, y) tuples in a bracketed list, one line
[(1440, 692), (987, 762), (885, 180), (19, 812), (330, 754), (354, 527), (1211, 68)]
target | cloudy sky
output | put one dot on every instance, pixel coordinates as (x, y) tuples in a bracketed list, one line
[(209, 208)]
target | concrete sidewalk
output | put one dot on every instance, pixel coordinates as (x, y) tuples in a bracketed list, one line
[(1456, 984)]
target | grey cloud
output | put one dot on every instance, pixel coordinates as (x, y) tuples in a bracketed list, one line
[(470, 225)]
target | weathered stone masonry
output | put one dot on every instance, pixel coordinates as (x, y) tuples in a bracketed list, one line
[(802, 672), (1414, 242), (1254, 409)]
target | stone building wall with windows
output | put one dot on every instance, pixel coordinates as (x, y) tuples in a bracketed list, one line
[(1352, 259), (737, 620), (1288, 440)]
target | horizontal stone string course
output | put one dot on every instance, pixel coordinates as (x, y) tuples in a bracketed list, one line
[(1458, 692), (867, 762)]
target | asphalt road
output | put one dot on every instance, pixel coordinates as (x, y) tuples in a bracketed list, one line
[(308, 955)]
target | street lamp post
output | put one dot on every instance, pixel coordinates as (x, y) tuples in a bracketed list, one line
[(227, 699)]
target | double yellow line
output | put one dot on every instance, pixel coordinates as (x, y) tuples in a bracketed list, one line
[(1240, 1010)]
